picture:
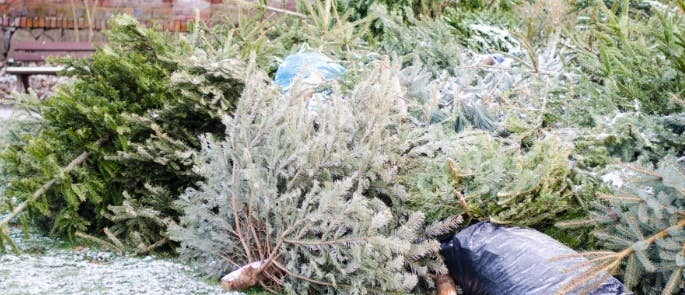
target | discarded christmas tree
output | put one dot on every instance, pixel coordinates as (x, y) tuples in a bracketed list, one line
[(642, 221), (146, 128), (306, 201)]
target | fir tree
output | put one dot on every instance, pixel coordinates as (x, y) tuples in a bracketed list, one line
[(428, 40), (642, 225), (486, 178), (310, 202), (146, 127), (631, 61)]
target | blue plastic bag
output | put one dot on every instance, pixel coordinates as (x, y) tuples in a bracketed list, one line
[(312, 67)]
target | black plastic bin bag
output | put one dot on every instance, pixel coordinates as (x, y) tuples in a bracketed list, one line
[(486, 258)]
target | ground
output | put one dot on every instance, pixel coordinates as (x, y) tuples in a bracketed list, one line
[(48, 266)]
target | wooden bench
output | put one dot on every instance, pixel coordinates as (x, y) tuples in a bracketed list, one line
[(31, 51)]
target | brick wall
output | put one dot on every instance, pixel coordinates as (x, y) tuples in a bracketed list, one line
[(172, 15), (59, 20)]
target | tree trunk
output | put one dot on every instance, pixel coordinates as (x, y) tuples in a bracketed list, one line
[(243, 278), (446, 285)]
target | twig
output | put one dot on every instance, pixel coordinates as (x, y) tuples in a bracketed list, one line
[(275, 252), (113, 238), (236, 218), (614, 260), (73, 11), (229, 260), (89, 20), (43, 189), (99, 241), (267, 288), (642, 170), (618, 197), (271, 8), (154, 246), (250, 226), (90, 12), (324, 243), (677, 99), (284, 269)]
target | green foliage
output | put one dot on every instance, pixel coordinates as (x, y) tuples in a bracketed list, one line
[(427, 40), (124, 97), (630, 137), (13, 131), (325, 27), (626, 137), (643, 222), (437, 102), (484, 31), (506, 181), (632, 63), (408, 8), (335, 199), (252, 34), (17, 128), (487, 178), (421, 8), (314, 196)]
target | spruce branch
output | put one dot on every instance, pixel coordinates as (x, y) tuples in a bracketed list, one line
[(48, 185), (643, 223), (642, 170), (344, 241), (100, 242), (609, 262), (287, 185)]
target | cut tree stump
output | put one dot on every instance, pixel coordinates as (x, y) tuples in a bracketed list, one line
[(243, 278), (446, 285)]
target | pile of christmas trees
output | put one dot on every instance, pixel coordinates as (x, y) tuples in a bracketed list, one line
[(549, 116)]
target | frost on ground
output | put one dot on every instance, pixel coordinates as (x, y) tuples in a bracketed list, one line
[(6, 113), (47, 266)]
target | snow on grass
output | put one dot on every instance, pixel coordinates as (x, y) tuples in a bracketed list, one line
[(51, 267), (5, 113), (48, 266)]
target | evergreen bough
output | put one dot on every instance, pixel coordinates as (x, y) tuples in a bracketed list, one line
[(486, 178), (310, 202), (631, 61), (642, 225), (124, 98)]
